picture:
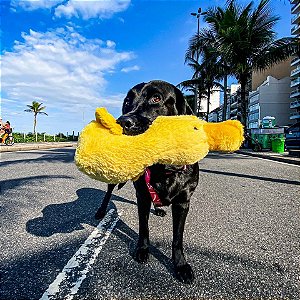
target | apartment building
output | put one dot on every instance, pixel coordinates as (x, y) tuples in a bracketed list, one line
[(215, 97), (295, 64), (233, 96), (271, 98)]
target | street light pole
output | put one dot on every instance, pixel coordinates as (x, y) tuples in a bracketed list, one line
[(197, 15)]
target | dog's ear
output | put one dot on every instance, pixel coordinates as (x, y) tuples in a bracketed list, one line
[(181, 104)]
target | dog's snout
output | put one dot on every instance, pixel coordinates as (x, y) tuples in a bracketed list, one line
[(126, 122)]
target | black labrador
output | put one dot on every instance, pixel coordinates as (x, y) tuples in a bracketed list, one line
[(173, 184)]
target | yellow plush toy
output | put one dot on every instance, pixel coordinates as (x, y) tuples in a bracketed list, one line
[(105, 154)]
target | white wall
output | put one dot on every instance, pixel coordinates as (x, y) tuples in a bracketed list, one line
[(214, 101), (274, 99)]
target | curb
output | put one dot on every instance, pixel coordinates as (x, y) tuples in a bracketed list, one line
[(287, 160), (36, 146)]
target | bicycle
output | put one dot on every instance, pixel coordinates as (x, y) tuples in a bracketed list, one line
[(9, 141)]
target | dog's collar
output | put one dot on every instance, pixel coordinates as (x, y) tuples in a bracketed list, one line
[(154, 196)]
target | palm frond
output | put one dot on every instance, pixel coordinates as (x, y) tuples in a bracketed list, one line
[(275, 52)]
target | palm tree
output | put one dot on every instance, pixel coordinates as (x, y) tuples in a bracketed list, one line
[(196, 86), (205, 46), (207, 71), (244, 38), (36, 108)]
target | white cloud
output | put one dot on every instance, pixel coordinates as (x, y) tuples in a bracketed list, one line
[(91, 9), (110, 44), (84, 9), (34, 4), (129, 69), (63, 69)]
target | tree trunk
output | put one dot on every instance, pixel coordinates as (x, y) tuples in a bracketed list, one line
[(195, 101), (244, 100), (208, 102), (34, 124), (225, 99), (199, 105)]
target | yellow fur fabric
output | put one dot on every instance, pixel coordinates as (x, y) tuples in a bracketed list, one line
[(105, 154)]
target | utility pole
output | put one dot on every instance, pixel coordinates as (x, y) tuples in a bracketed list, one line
[(197, 15)]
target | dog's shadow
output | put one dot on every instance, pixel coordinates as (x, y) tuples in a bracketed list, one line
[(68, 217)]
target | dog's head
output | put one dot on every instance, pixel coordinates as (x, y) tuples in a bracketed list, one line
[(146, 101)]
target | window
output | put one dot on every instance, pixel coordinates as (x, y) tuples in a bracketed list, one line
[(254, 107)]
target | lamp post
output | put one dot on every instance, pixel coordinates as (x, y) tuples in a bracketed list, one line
[(197, 15)]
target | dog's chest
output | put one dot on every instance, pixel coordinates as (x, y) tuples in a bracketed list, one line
[(169, 182)]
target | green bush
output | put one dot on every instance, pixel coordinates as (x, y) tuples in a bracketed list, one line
[(41, 137)]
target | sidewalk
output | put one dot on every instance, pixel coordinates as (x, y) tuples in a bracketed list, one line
[(35, 146), (281, 157)]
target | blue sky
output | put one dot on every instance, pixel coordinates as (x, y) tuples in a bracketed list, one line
[(75, 56)]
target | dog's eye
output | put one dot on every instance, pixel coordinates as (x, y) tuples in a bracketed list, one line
[(126, 102), (155, 99)]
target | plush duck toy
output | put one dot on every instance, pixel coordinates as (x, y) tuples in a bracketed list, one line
[(105, 154)]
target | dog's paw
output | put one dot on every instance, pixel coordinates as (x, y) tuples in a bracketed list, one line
[(100, 214), (185, 274), (141, 255), (159, 212)]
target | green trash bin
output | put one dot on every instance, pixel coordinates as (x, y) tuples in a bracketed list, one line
[(278, 145)]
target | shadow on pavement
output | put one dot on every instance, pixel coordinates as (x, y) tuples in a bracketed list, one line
[(69, 216), (130, 237), (224, 155), (219, 275), (285, 181), (53, 155), (12, 183)]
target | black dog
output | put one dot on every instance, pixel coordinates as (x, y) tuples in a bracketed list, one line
[(173, 185)]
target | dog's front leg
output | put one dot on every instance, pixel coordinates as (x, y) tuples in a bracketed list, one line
[(144, 205), (183, 270), (102, 209)]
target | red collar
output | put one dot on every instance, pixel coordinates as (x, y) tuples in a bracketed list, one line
[(154, 196)]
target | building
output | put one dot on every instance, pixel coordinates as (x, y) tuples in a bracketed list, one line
[(232, 105), (214, 115), (295, 64), (215, 97), (278, 71), (271, 98)]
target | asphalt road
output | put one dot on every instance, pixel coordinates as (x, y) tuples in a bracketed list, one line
[(242, 235)]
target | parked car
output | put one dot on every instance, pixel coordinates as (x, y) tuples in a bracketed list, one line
[(292, 137)]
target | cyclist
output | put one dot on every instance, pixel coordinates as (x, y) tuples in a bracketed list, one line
[(7, 131), (1, 127)]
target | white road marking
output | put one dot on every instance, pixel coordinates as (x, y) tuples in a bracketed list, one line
[(67, 283)]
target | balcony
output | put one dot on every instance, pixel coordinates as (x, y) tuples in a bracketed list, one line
[(234, 112), (295, 61), (295, 93), (296, 19), (295, 71), (295, 82), (295, 29), (295, 104), (295, 115), (234, 104), (296, 8)]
